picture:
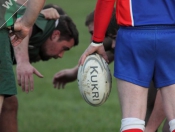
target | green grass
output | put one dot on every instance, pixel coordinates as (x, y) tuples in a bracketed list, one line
[(50, 110)]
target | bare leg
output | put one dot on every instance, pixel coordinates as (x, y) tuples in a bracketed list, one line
[(165, 127), (168, 102), (133, 99), (157, 115), (8, 118)]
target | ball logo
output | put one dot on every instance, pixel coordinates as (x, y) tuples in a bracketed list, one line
[(94, 85)]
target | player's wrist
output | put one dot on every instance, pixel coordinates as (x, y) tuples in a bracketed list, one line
[(96, 44)]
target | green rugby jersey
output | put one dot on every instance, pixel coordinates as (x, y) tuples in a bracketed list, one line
[(7, 13), (42, 29)]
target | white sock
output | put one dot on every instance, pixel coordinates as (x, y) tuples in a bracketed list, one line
[(172, 125), (132, 123)]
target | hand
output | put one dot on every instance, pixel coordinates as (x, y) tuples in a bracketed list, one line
[(65, 76), (93, 49), (50, 13), (25, 73), (19, 33)]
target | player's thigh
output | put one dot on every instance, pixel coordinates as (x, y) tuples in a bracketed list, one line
[(133, 99), (165, 127), (10, 104), (168, 98)]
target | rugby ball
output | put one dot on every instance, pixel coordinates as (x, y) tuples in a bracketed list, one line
[(94, 80)]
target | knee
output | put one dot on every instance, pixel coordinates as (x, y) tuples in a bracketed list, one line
[(10, 104)]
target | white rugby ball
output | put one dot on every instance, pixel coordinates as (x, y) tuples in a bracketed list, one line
[(94, 80)]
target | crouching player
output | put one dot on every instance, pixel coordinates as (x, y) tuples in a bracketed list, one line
[(48, 39)]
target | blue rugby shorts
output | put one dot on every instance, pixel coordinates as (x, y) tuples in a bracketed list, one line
[(145, 54)]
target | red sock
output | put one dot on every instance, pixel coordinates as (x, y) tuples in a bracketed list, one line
[(173, 131), (135, 130)]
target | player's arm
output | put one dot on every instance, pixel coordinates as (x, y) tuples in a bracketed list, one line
[(22, 2), (33, 9), (50, 13), (157, 115), (23, 24), (65, 76), (102, 16), (24, 69)]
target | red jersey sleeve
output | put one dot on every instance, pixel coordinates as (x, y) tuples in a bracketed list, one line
[(102, 16)]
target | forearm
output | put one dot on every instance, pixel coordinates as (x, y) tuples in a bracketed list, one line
[(21, 51), (157, 115), (102, 18), (32, 11), (24, 69), (22, 2)]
